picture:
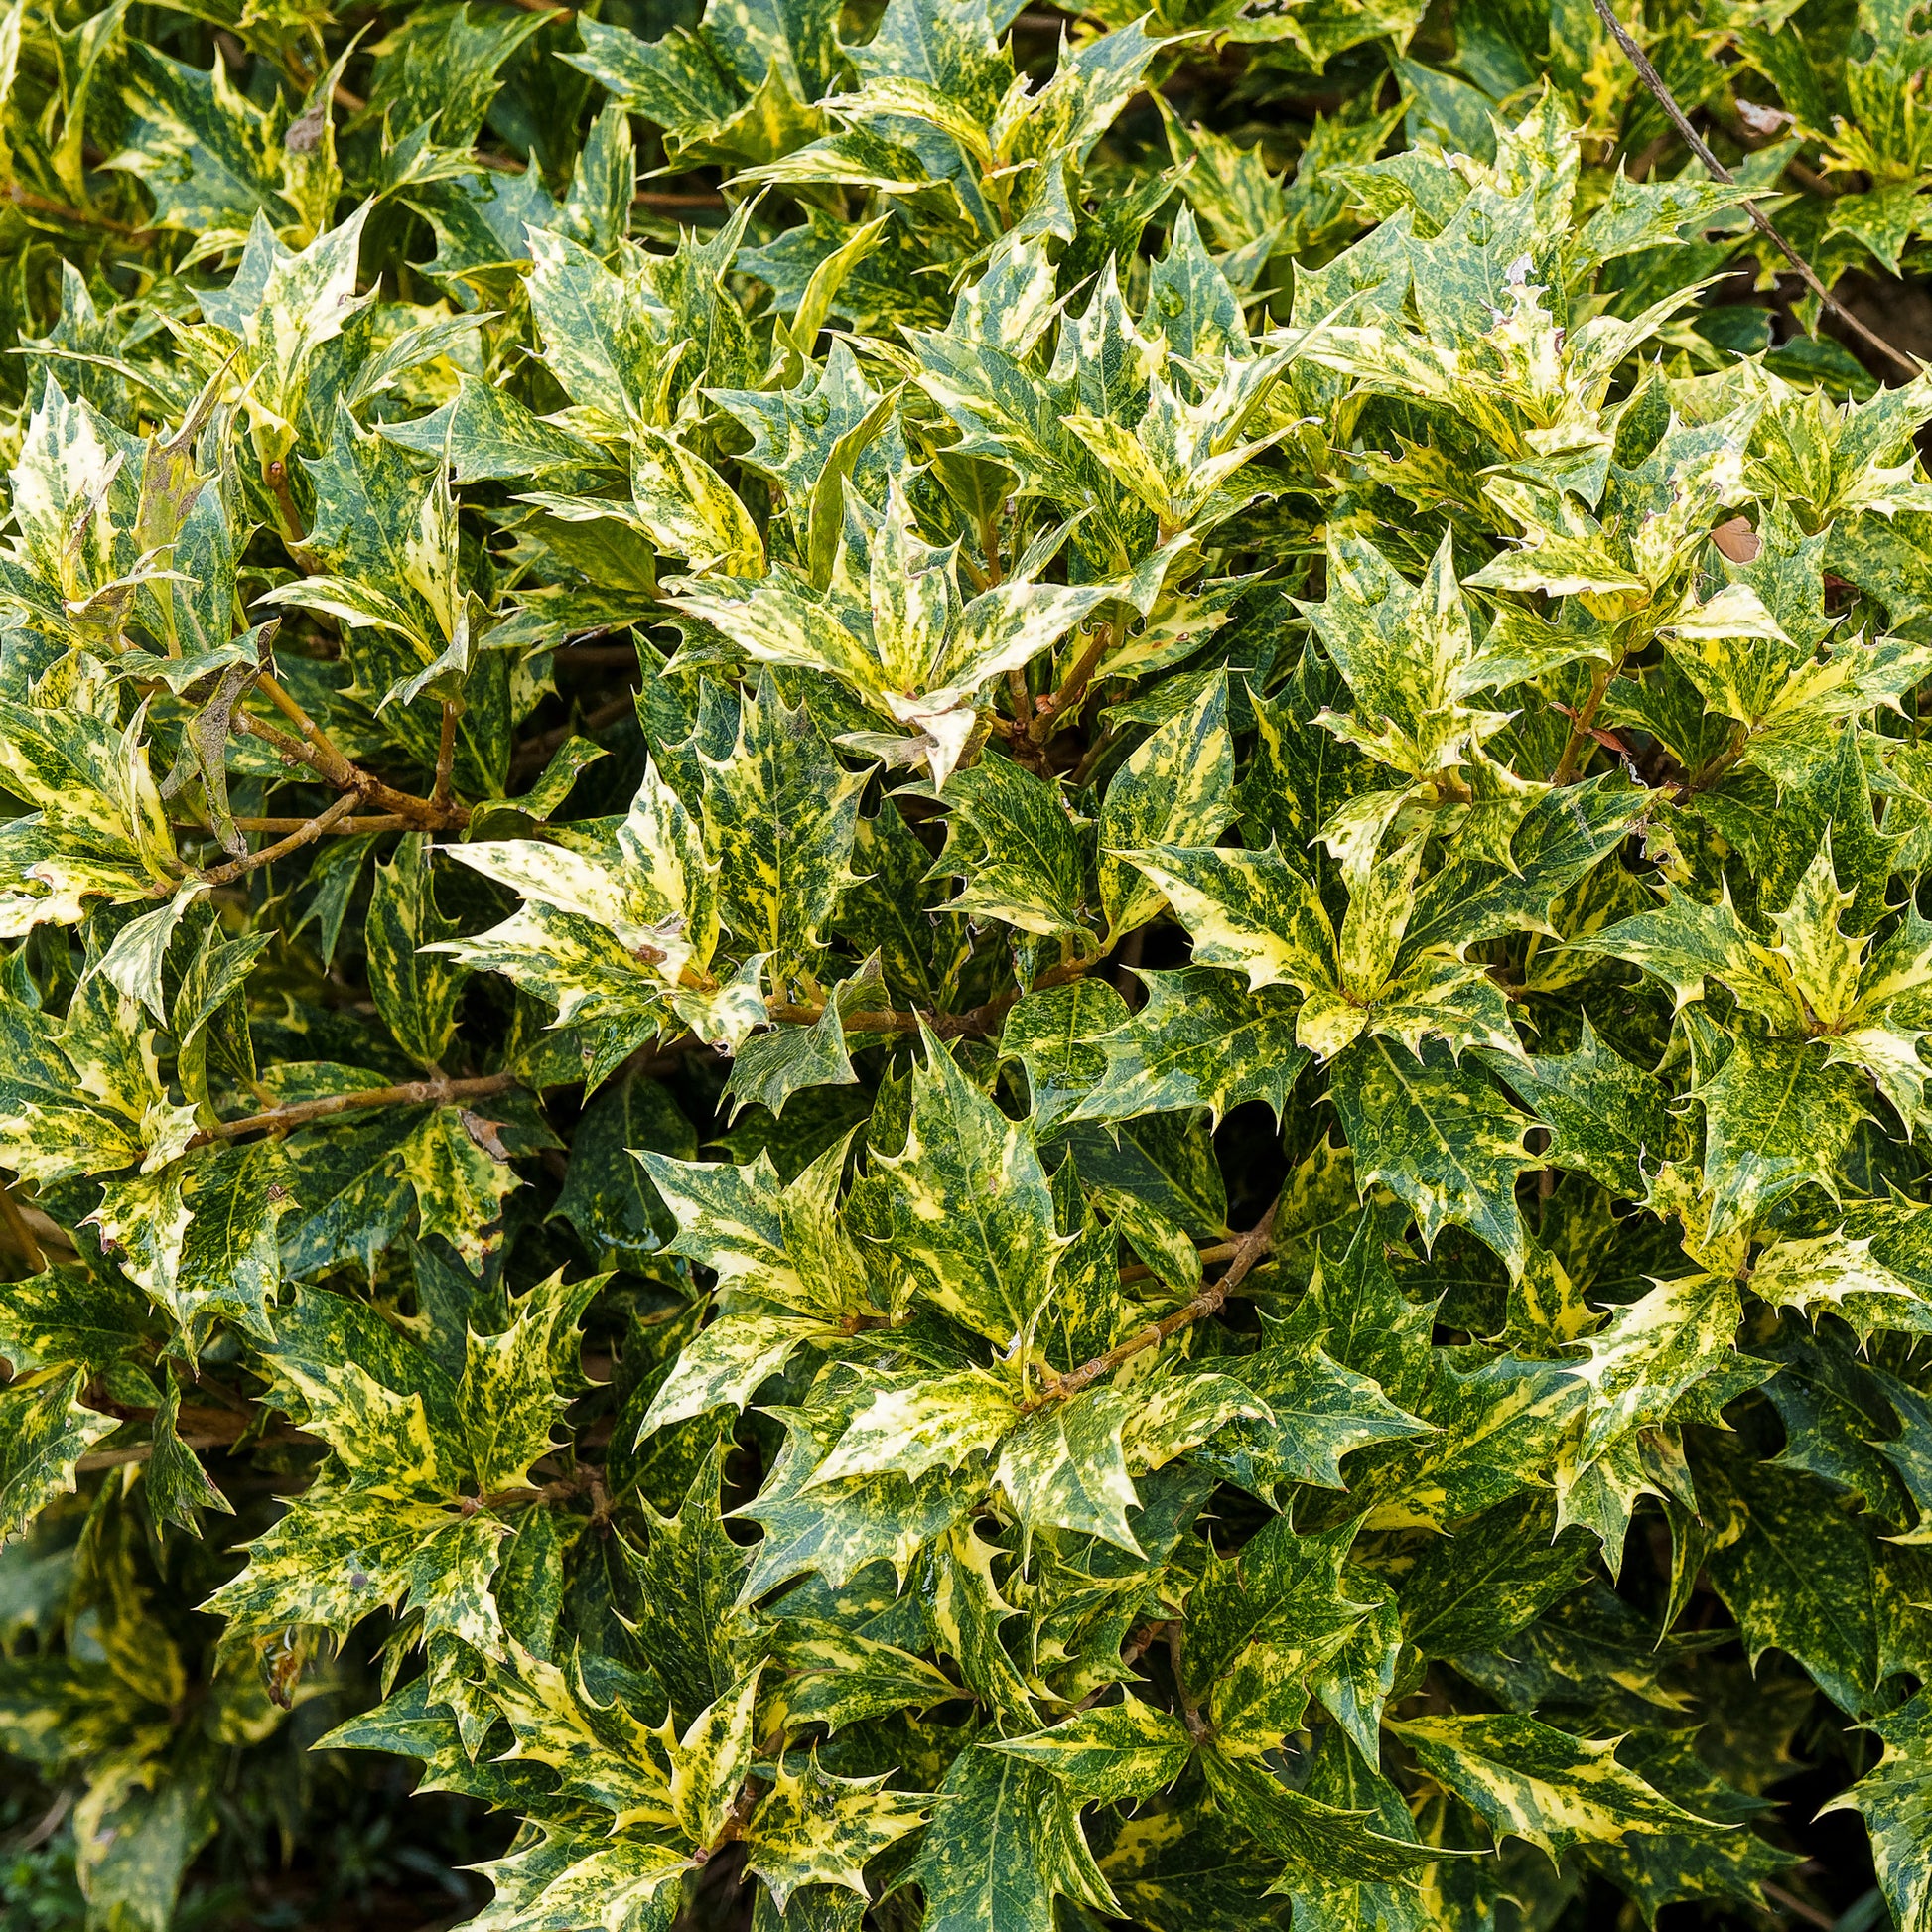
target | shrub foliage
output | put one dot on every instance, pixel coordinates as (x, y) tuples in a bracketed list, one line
[(1036, 1041)]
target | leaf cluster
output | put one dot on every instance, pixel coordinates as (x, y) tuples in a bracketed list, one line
[(936, 1014)]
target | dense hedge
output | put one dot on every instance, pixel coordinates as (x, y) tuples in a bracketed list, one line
[(1034, 1040)]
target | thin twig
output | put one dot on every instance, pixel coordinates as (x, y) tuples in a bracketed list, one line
[(1068, 696), (374, 822), (329, 765), (671, 202), (306, 833), (587, 1479), (1582, 730), (197, 1439), (444, 754), (1220, 1251), (49, 1234), (284, 701), (1809, 1913), (1247, 1252), (26, 199), (51, 1821), (977, 1023), (534, 753), (411, 1093), (1197, 1725), (1717, 170)]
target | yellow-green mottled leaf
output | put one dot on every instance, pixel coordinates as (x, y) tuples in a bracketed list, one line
[(813, 1829), (1176, 788), (1115, 1751), (1527, 1780), (1439, 1135), (972, 1214), (44, 1432), (1005, 1841)]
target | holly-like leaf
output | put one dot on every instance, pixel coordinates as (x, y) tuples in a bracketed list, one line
[(813, 1829), (1527, 1780), (1440, 1136), (1005, 1841), (971, 1209), (1199, 1041), (1893, 1799), (1128, 1749), (44, 1432)]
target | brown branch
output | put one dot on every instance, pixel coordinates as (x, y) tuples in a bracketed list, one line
[(51, 1820), (737, 1816), (318, 740), (1582, 730), (1199, 1727), (596, 657), (444, 755), (1717, 170), (294, 537), (534, 753), (1068, 696), (585, 1483), (977, 1023), (29, 202), (48, 1232), (329, 765), (1787, 1902), (671, 202), (411, 1093), (1249, 1250), (306, 833), (378, 822), (224, 1438), (1220, 1251)]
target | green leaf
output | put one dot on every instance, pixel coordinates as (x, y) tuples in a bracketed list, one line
[(1525, 1780), (1440, 1136), (914, 1424), (1199, 1041), (1005, 1841), (709, 1762), (415, 992), (1609, 1119), (1314, 1839), (1653, 1351), (778, 816), (1250, 910), (1115, 1751), (813, 1829), (1797, 1573), (44, 1432), (179, 1488), (1476, 1590), (1318, 1412), (610, 1202), (837, 1677), (1065, 1468), (1776, 1115), (1894, 1800), (971, 1210), (1176, 788), (211, 156), (1025, 858), (462, 1175), (837, 1530)]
